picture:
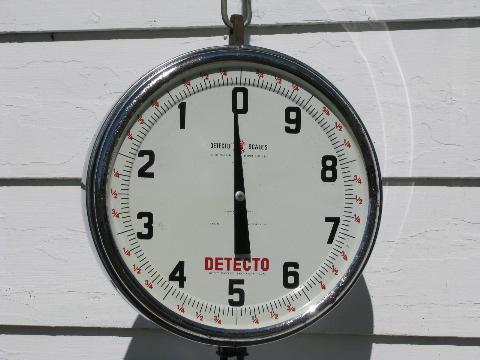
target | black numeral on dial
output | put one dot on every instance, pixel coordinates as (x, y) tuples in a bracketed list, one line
[(183, 109), (335, 221), (291, 279), (232, 290), (178, 274), (143, 171), (236, 93), (293, 116), (147, 225), (329, 168)]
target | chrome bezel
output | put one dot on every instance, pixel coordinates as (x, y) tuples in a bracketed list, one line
[(95, 194)]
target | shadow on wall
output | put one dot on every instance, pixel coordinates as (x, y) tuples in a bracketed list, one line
[(353, 316)]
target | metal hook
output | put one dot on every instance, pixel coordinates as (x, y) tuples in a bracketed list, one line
[(247, 16)]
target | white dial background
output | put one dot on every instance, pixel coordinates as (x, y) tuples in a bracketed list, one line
[(191, 197)]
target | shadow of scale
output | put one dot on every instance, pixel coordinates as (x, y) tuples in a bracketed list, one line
[(333, 336)]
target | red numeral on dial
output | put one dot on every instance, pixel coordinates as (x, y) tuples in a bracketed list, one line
[(114, 193), (137, 269), (334, 270)]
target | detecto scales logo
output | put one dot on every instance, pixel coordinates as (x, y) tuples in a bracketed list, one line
[(245, 148)]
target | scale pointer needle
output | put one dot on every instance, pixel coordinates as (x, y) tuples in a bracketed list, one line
[(241, 234)]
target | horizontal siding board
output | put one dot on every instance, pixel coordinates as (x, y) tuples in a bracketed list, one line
[(417, 282), (416, 91), (157, 344), (69, 15)]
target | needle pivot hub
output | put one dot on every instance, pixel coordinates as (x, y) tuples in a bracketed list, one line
[(240, 196)]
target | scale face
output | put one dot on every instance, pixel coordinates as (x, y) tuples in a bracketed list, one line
[(233, 195)]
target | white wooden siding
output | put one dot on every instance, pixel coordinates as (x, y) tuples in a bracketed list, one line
[(70, 15), (416, 91), (154, 345), (410, 68), (408, 287)]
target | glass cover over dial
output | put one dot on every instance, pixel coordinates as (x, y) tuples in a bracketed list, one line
[(233, 199)]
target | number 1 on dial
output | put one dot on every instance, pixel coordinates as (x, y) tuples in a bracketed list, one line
[(183, 109)]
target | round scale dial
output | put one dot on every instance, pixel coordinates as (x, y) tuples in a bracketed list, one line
[(233, 196)]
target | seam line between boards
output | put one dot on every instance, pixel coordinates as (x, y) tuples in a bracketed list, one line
[(253, 29), (387, 182), (133, 332)]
